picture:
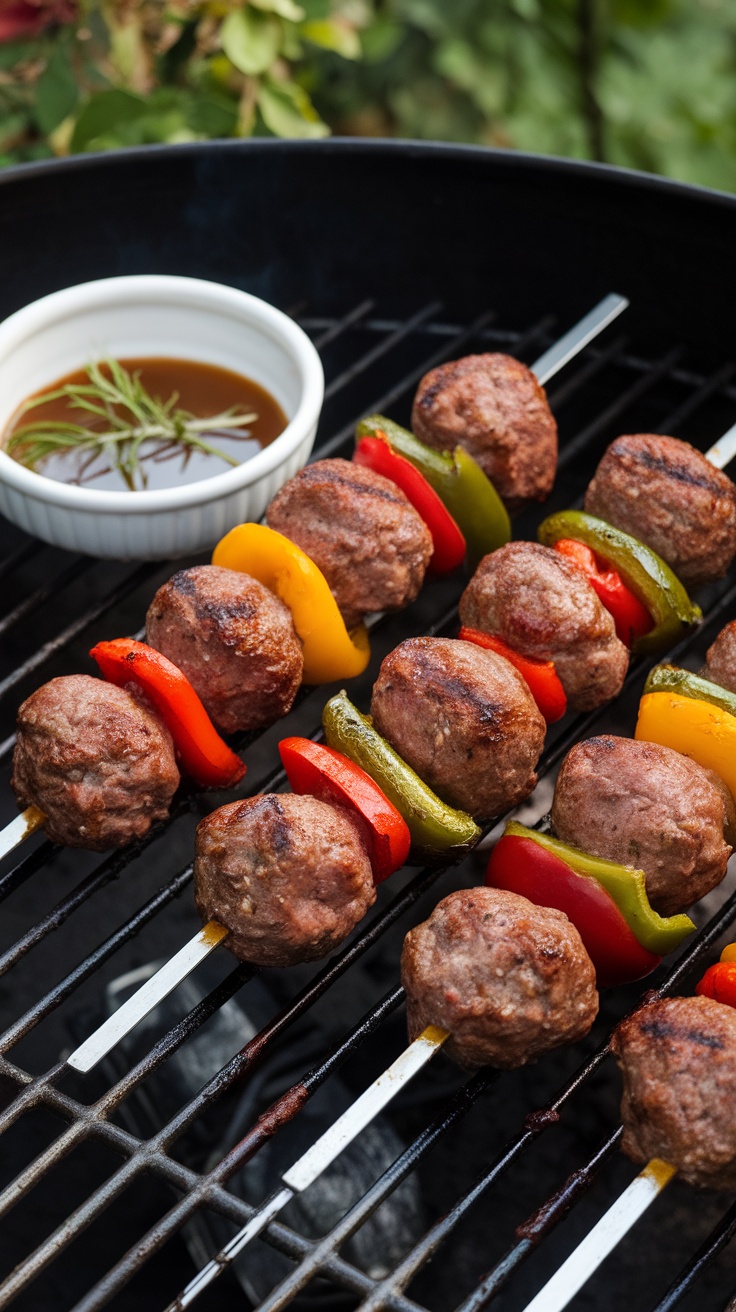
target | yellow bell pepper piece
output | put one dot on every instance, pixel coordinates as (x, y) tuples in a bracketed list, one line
[(729, 952), (330, 652), (698, 729)]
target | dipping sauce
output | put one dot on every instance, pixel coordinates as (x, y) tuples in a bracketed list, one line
[(203, 390)]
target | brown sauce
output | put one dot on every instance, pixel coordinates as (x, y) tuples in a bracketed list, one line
[(203, 389)]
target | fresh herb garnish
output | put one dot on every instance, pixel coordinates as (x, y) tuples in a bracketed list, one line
[(130, 418)]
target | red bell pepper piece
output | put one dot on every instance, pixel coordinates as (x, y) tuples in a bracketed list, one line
[(202, 752), (719, 983), (541, 676), (522, 866), (325, 773), (376, 453), (631, 617)]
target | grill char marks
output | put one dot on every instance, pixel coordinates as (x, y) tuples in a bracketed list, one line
[(360, 530), (464, 719), (664, 492)]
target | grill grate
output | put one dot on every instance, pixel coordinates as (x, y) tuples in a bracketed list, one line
[(372, 363)]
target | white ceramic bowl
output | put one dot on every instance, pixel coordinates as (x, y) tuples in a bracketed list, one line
[(152, 315)]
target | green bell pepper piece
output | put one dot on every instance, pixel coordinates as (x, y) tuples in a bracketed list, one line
[(641, 569), (668, 678), (627, 888), (436, 829), (458, 480)]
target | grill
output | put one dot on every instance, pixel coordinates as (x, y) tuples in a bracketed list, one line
[(389, 257)]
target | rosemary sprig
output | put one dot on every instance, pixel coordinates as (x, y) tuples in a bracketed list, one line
[(131, 417)]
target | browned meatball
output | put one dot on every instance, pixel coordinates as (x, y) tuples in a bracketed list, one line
[(97, 763), (494, 407), (509, 980), (464, 719), (288, 875), (645, 806), (359, 528), (544, 607), (678, 1061), (721, 658), (234, 640), (665, 493)]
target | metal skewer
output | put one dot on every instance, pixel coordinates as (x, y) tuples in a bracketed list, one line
[(724, 450), (322, 1153), (20, 829), (603, 1238)]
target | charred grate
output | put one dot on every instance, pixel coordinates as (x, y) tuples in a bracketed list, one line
[(371, 363)]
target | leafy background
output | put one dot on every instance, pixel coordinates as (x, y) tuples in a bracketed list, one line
[(646, 83)]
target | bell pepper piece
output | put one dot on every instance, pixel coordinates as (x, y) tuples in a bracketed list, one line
[(627, 887), (631, 618), (449, 544), (437, 830), (642, 570), (729, 952), (201, 751), (458, 480), (330, 652), (521, 865), (313, 768), (668, 678), (719, 983), (541, 676), (697, 728)]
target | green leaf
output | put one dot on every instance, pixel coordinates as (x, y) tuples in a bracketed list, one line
[(284, 8), (15, 52), (56, 91), (333, 35), (288, 112), (251, 40), (381, 39), (103, 115), (212, 116)]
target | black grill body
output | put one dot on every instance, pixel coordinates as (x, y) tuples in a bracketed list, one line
[(394, 256)]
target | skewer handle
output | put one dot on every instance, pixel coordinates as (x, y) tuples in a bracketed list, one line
[(20, 829), (724, 450), (148, 996), (603, 1238), (578, 336)]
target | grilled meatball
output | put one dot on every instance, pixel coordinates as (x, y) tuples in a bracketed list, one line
[(288, 875), (494, 407), (678, 1061), (645, 806), (359, 528), (464, 719), (544, 607), (665, 493), (234, 640), (509, 980), (721, 658), (97, 763)]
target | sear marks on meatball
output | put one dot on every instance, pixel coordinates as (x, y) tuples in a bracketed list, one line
[(235, 642), (288, 875), (464, 719), (97, 762), (495, 407), (720, 664), (544, 607), (507, 979), (645, 806), (665, 493), (678, 1061), (360, 530)]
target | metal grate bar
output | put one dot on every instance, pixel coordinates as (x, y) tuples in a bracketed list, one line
[(341, 326), (602, 421), (52, 587), (376, 352), (717, 1240), (708, 388), (19, 557)]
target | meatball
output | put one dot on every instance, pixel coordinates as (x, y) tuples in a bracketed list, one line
[(464, 719), (509, 980), (678, 1061), (97, 763), (645, 806), (721, 658), (544, 607), (359, 528), (234, 640), (289, 876), (494, 407), (665, 493)]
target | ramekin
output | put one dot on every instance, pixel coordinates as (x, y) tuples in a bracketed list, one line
[(178, 318)]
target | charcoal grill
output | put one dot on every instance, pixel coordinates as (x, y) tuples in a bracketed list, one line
[(394, 257)]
